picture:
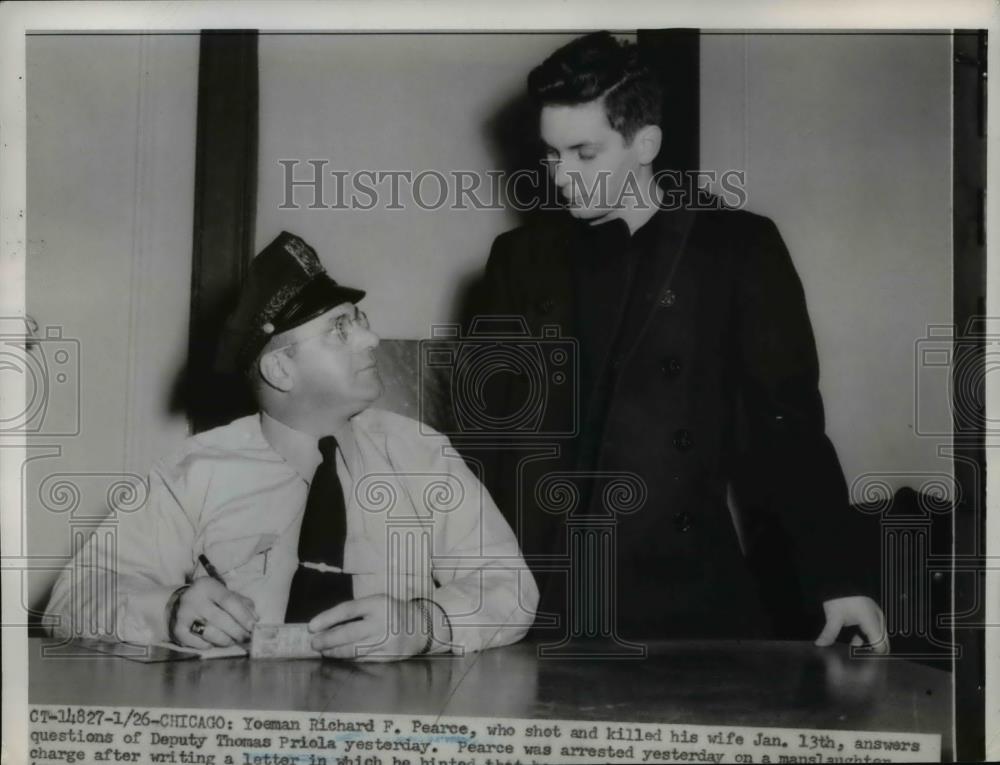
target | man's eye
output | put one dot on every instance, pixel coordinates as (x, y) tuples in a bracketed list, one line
[(586, 156)]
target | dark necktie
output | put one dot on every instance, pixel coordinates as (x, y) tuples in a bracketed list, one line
[(315, 587)]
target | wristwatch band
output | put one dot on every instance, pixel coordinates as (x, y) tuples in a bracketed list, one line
[(427, 606), (173, 602)]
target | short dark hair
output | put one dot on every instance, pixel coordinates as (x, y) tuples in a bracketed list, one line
[(598, 66)]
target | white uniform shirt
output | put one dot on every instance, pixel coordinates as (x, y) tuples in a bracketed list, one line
[(419, 524)]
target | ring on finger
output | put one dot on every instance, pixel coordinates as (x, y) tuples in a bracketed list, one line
[(198, 627)]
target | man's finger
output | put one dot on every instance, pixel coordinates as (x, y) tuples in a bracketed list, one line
[(373, 654), (883, 646), (343, 634), (187, 615), (347, 652), (239, 608), (217, 637), (184, 634), (873, 628), (369, 650), (225, 624), (186, 637), (210, 588), (376, 658), (343, 612), (830, 631)]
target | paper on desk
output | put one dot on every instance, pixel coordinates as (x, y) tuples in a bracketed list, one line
[(282, 641), (207, 653), (144, 654)]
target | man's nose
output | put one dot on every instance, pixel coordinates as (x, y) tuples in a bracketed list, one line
[(570, 182), (560, 176), (366, 338)]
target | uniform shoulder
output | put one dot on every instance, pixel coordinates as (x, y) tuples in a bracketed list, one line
[(393, 425), (230, 436), (408, 444), (237, 435)]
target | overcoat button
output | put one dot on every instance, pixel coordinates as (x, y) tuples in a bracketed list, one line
[(668, 298), (683, 522), (683, 440), (671, 366)]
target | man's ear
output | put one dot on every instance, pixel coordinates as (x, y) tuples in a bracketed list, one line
[(647, 143), (275, 371)]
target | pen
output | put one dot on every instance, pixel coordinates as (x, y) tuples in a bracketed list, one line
[(212, 571)]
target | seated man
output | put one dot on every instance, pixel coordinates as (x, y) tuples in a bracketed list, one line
[(318, 509)]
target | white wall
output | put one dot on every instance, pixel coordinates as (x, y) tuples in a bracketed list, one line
[(846, 144), (111, 127), (390, 102)]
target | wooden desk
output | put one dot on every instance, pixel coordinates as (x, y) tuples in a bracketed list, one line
[(773, 684)]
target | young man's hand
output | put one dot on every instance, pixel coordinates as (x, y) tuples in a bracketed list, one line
[(374, 628), (856, 611), (222, 617)]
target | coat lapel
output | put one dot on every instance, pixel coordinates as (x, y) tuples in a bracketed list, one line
[(551, 302), (671, 247)]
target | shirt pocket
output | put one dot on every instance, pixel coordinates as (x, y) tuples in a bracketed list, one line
[(363, 556)]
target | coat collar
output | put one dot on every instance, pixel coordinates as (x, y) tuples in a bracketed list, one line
[(555, 302)]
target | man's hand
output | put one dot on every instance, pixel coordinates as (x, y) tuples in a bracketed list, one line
[(386, 629), (228, 617), (857, 611)]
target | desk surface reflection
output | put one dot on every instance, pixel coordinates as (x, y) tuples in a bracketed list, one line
[(774, 684)]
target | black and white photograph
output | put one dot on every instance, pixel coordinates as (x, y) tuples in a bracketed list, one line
[(427, 383)]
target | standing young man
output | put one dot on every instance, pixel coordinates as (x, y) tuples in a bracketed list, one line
[(697, 373)]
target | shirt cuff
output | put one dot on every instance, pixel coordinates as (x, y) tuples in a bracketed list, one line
[(475, 629), (143, 615)]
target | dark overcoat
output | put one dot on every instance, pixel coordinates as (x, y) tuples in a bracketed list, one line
[(714, 406)]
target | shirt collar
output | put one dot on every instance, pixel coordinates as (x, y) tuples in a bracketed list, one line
[(615, 233), (301, 450)]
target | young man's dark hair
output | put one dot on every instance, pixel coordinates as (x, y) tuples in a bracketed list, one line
[(599, 66)]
